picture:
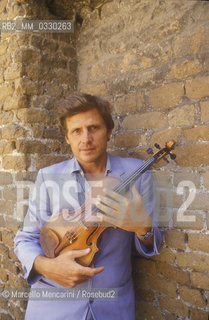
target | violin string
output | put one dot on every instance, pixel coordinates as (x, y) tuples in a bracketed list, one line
[(117, 189), (134, 176)]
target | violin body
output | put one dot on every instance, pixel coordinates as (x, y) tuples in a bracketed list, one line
[(75, 230), (55, 242)]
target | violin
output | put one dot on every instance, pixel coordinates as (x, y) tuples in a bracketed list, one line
[(68, 231)]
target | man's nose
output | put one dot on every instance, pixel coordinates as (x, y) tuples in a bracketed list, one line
[(86, 136)]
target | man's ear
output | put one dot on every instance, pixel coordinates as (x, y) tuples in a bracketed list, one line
[(67, 140), (109, 135)]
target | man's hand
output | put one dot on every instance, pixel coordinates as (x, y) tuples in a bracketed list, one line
[(123, 212), (64, 270)]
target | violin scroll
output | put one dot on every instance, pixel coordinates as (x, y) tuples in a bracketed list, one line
[(163, 152)]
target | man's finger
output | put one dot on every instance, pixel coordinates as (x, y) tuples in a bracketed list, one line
[(109, 202), (109, 221), (107, 210), (114, 195), (78, 253), (89, 272), (135, 193)]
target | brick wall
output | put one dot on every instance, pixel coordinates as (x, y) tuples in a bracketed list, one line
[(150, 59), (37, 71)]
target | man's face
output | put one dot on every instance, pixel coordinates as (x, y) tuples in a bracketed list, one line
[(87, 135)]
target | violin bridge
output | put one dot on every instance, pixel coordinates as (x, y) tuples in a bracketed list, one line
[(83, 225)]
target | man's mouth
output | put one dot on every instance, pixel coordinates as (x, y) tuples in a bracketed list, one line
[(87, 150)]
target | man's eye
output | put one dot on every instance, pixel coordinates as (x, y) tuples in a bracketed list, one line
[(94, 128), (76, 131)]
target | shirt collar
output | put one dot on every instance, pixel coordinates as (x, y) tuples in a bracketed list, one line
[(108, 165), (75, 166)]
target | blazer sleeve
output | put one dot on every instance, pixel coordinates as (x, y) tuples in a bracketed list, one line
[(145, 185), (26, 243)]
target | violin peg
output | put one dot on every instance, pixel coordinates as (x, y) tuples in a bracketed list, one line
[(172, 156), (157, 146), (149, 151), (165, 159)]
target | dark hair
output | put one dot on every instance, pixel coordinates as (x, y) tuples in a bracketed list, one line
[(81, 102)]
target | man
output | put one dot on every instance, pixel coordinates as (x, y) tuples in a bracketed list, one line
[(87, 125)]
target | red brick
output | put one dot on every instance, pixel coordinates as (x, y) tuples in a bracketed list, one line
[(159, 284), (192, 296), (175, 239), (200, 280), (198, 242), (166, 255), (174, 306), (149, 120), (145, 310), (166, 96), (17, 163), (193, 155), (194, 261), (173, 273), (197, 88)]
